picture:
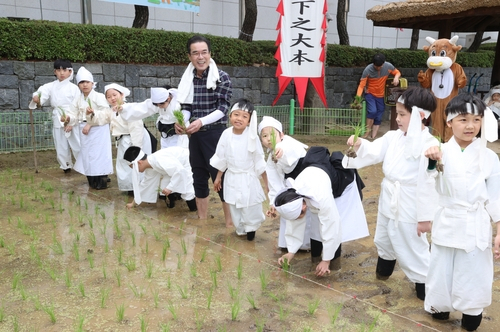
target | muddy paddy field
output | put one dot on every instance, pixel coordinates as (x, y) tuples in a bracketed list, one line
[(74, 259)]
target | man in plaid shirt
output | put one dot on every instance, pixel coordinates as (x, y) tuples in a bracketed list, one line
[(205, 91)]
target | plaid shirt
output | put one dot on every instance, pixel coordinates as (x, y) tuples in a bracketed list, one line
[(206, 101)]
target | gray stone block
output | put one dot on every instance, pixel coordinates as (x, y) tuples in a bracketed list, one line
[(9, 98), (8, 82), (26, 89), (113, 72), (131, 76), (148, 82), (237, 94), (44, 68), (6, 68), (253, 96), (165, 71), (140, 94), (147, 70), (24, 70)]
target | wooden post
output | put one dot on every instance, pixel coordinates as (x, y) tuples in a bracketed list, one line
[(33, 141)]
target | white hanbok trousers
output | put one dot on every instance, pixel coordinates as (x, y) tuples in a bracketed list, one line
[(459, 281), (63, 142), (247, 219)]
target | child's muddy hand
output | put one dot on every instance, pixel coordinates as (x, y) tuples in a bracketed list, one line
[(271, 213), (496, 246), (323, 268), (287, 256), (423, 227), (217, 185), (278, 153), (434, 153)]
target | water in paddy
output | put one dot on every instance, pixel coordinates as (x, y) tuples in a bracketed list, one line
[(74, 259)]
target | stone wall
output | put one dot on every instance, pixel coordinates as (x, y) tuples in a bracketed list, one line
[(18, 80)]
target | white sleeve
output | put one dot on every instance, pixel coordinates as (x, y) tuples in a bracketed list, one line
[(138, 111), (212, 117)]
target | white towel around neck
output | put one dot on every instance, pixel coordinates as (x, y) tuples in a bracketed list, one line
[(186, 88)]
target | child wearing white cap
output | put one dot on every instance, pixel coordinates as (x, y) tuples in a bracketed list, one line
[(90, 111), (240, 157), (126, 134), (408, 199), (61, 93), (281, 162), (460, 274), (492, 100)]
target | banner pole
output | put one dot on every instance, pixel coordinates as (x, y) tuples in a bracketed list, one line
[(292, 116)]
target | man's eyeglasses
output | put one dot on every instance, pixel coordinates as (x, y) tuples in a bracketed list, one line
[(202, 53)]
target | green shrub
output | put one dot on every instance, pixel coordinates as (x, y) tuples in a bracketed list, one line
[(48, 40)]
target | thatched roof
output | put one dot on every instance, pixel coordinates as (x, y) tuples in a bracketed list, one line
[(438, 15)]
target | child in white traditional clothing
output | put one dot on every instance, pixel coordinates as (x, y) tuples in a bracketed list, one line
[(61, 93), (492, 100), (327, 198), (239, 155), (90, 111), (408, 198), (461, 267), (170, 163), (126, 134), (282, 159), (163, 102)]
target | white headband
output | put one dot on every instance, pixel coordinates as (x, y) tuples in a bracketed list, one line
[(413, 108), (269, 121), (291, 210), (469, 111)]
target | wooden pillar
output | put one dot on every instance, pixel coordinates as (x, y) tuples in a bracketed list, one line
[(495, 72)]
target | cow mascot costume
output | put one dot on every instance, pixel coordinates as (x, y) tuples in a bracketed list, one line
[(444, 77)]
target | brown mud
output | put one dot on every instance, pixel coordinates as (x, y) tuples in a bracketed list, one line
[(71, 258)]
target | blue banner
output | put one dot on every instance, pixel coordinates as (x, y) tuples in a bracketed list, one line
[(186, 5)]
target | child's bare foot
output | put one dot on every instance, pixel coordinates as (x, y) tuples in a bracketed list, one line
[(229, 224)]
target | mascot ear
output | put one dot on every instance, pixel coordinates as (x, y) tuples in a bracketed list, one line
[(454, 39), (431, 40)]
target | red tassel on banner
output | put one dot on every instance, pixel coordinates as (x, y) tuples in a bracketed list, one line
[(283, 82), (301, 88), (319, 85)]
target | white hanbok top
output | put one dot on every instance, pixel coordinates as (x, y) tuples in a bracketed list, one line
[(171, 162), (293, 150), (407, 193), (119, 127), (59, 94), (242, 168), (469, 197)]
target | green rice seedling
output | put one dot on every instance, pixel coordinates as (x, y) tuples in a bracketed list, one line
[(78, 200), (166, 243), (169, 283), (79, 322), (21, 202), (104, 273), (179, 262), (138, 292), (144, 323), (203, 255), (149, 269), (91, 222), (90, 258), (133, 238), (333, 313), (36, 301), (251, 300), (183, 291), (2, 242), (67, 278), (273, 296), (228, 242), (157, 235), (56, 247), (285, 265), (259, 324), (213, 276), (373, 324), (218, 263), (164, 327), (77, 237), (96, 209), (130, 264), (118, 277), (164, 252), (144, 229), (118, 231), (60, 193), (11, 248), (233, 292), (181, 228), (81, 288), (22, 292), (49, 310), (172, 309), (52, 203), (61, 209), (50, 271), (120, 312), (127, 223), (106, 245), (312, 306), (184, 247), (16, 280), (192, 269), (146, 248), (209, 297), (103, 214), (119, 254), (264, 280), (235, 309), (104, 228), (239, 269), (92, 239), (15, 324), (179, 118), (283, 313), (34, 253), (76, 251), (12, 200), (80, 219), (156, 296)]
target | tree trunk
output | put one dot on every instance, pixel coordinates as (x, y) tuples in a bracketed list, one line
[(248, 27), (414, 39), (342, 22), (141, 17)]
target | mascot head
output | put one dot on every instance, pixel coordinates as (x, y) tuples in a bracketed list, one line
[(442, 52)]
